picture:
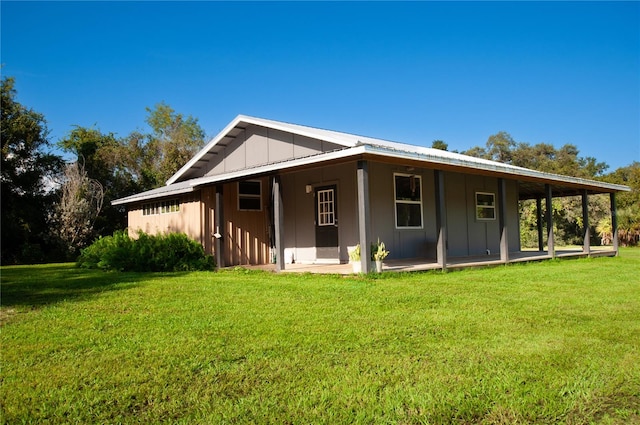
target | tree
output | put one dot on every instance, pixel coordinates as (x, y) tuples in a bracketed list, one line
[(103, 158), (567, 211), (27, 176), (173, 141), (439, 144), (627, 203), (79, 206)]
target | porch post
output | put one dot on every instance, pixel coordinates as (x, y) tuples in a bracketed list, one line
[(220, 227), (586, 244), (441, 220), (614, 222), (362, 176), (504, 240), (539, 219), (278, 218), (550, 242)]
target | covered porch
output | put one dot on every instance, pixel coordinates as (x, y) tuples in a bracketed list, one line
[(421, 264)]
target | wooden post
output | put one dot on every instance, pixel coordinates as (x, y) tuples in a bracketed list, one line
[(362, 176), (278, 218), (539, 219), (441, 220), (504, 239), (614, 222), (550, 242), (219, 234), (586, 244)]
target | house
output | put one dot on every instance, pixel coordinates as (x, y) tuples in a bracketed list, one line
[(264, 191)]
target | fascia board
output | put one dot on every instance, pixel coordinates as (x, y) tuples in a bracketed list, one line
[(205, 149), (152, 194), (341, 139), (310, 160), (459, 160)]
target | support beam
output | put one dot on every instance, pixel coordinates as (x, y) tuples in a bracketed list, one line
[(550, 242), (364, 232), (539, 221), (502, 210), (278, 218), (586, 244), (614, 222), (219, 234), (441, 220)]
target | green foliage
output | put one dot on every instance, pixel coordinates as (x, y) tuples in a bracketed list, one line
[(378, 251), (354, 254), (164, 252), (28, 172), (567, 211), (537, 343), (628, 203)]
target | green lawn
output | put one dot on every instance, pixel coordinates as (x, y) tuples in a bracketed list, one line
[(550, 342)]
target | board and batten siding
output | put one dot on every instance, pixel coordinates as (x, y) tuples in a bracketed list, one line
[(246, 233), (187, 220), (468, 236), (258, 145), (299, 210)]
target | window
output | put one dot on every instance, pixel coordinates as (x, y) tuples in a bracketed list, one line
[(485, 206), (161, 207), (326, 212), (250, 195), (408, 200)]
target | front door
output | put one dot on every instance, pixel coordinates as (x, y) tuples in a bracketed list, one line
[(326, 223)]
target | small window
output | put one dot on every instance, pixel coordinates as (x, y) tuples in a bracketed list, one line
[(161, 207), (250, 195), (408, 200), (326, 207), (485, 206)]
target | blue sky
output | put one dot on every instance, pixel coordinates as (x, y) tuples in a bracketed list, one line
[(411, 72)]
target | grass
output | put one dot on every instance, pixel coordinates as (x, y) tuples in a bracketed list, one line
[(550, 342)]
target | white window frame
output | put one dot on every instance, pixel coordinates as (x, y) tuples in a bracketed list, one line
[(326, 217), (169, 206), (404, 201), (491, 207), (250, 195)]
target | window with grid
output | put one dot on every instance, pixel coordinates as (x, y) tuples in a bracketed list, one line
[(161, 207), (326, 208)]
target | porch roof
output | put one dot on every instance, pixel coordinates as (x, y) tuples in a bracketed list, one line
[(532, 182)]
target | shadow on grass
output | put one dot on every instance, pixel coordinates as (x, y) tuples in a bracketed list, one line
[(39, 285)]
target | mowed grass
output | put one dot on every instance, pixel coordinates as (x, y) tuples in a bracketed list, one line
[(549, 342)]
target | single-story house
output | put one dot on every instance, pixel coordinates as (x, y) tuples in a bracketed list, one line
[(264, 191)]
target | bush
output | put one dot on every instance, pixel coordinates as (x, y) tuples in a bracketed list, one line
[(156, 253)]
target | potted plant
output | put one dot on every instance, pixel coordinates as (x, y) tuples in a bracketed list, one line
[(354, 259), (378, 253)]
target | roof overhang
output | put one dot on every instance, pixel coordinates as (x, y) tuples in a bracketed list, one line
[(532, 183)]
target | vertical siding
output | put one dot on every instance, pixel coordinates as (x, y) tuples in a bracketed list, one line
[(299, 210), (187, 220), (456, 200), (246, 232), (402, 243)]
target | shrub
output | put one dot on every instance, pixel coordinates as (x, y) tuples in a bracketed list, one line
[(165, 252)]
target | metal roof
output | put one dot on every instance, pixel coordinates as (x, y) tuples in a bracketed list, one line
[(531, 181)]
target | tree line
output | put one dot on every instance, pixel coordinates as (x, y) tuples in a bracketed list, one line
[(52, 208), (567, 211)]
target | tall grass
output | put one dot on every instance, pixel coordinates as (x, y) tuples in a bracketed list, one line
[(550, 342)]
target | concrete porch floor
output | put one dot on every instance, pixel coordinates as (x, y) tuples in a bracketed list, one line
[(422, 264)]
